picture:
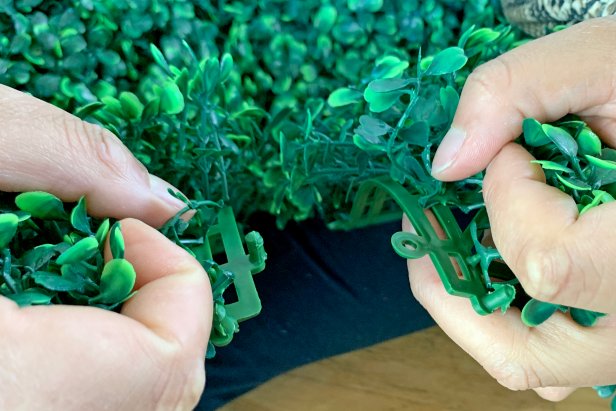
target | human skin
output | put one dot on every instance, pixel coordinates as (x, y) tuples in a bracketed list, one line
[(558, 255), (149, 356)]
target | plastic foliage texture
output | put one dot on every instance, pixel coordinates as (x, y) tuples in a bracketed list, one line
[(53, 253), (296, 108)]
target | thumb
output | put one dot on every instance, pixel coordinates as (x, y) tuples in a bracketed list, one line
[(45, 148), (570, 71)]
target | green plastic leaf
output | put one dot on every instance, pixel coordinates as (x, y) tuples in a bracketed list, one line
[(159, 58), (325, 18), (597, 162), (41, 205), (589, 143), (365, 5), (536, 312), (79, 217), (562, 139), (372, 126), (417, 134), (447, 61), (226, 66), (574, 183), (380, 102), (585, 318), (369, 143), (553, 166), (56, 282), (8, 228), (389, 67), (102, 231), (89, 109), (31, 296), (388, 84), (38, 256), (534, 136), (81, 251), (343, 97), (449, 100), (116, 241), (117, 282), (131, 105), (171, 98)]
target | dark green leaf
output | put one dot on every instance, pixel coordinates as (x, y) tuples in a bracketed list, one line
[(585, 318), (54, 282), (563, 140), (31, 296), (536, 312), (79, 217), (534, 136)]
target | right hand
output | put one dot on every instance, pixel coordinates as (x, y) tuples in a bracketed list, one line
[(557, 255)]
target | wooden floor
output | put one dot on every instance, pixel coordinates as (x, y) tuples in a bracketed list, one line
[(424, 371)]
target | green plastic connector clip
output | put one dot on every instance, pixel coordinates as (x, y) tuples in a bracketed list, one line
[(242, 265), (460, 271)]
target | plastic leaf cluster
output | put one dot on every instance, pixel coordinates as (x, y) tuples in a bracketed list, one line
[(51, 254)]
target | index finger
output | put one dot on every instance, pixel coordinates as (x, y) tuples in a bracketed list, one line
[(534, 80)]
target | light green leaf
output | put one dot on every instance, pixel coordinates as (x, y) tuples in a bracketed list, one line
[(447, 61), (343, 97), (83, 250), (8, 228), (41, 205), (598, 162), (589, 142), (574, 183), (551, 165), (171, 98), (116, 241), (117, 282)]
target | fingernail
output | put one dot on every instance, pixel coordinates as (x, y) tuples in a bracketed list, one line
[(160, 188), (448, 150)]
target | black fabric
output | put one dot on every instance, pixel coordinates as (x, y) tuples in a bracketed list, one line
[(323, 293)]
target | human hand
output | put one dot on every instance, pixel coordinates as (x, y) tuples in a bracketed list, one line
[(76, 358), (557, 255)]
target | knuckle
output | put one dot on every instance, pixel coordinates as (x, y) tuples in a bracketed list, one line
[(491, 77), (549, 272), (98, 146), (512, 369), (517, 377)]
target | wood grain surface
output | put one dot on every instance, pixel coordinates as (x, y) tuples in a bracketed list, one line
[(423, 371)]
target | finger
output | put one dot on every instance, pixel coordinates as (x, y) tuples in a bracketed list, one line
[(174, 297), (517, 356), (149, 358), (557, 256), (45, 148), (554, 393), (530, 81)]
